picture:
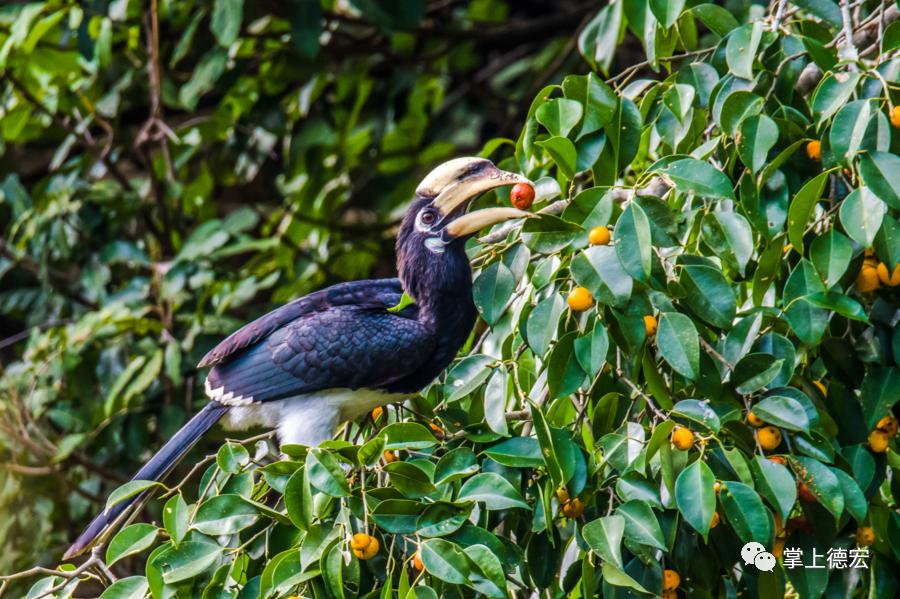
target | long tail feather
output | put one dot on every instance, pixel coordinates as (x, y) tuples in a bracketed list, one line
[(158, 466)]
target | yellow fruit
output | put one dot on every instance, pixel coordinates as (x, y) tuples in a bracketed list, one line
[(754, 420), (650, 325), (671, 580), (573, 509), (682, 438), (669, 595), (580, 299), (437, 430), (599, 236), (389, 456), (377, 412), (814, 150), (715, 520), (892, 279), (895, 116), (769, 437), (878, 441), (717, 487), (867, 279), (821, 387), (364, 546), (888, 424), (865, 536), (562, 495), (417, 561)]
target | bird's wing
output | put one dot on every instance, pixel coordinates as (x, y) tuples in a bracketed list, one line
[(378, 293), (345, 346)]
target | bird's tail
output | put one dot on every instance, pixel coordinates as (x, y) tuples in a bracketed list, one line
[(158, 466)]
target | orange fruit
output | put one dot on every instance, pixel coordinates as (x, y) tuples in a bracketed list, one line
[(671, 580), (650, 325), (878, 441), (888, 424), (562, 494), (522, 196), (364, 546), (682, 438), (437, 430), (417, 561), (804, 493), (717, 487), (895, 116), (669, 595), (715, 520), (754, 420), (778, 459), (865, 536), (389, 456), (580, 299), (892, 279), (573, 509), (769, 437), (377, 412), (821, 387), (814, 150), (599, 236), (867, 280)]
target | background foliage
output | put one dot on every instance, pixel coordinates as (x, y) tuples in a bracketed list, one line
[(176, 168)]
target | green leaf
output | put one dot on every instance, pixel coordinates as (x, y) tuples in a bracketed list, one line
[(854, 499), (754, 371), (821, 481), (785, 412), (696, 176), (226, 20), (411, 481), (492, 291), (455, 465), (129, 541), (540, 328), (679, 344), (641, 525), (832, 93), (742, 48), (298, 499), (598, 99), (746, 513), (441, 518), (325, 472), (716, 18), (880, 171), (850, 131), (176, 518), (517, 452), (758, 135), (305, 17), (698, 411), (186, 561), (407, 435), (591, 349), (231, 457), (604, 536), (801, 208), (406, 300), (129, 490), (599, 269), (224, 515), (493, 490), (861, 214), (445, 560), (775, 483), (695, 496), (133, 587), (615, 576), (708, 294), (548, 234), (562, 151), (464, 378), (489, 577), (667, 11), (559, 115), (564, 374), (831, 253), (398, 516), (807, 321), (632, 237)]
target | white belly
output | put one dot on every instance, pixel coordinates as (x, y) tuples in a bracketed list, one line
[(307, 419)]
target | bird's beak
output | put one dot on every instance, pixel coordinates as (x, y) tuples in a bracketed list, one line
[(467, 224), (455, 196)]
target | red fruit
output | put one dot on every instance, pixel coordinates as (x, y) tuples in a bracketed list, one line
[(804, 493), (522, 196)]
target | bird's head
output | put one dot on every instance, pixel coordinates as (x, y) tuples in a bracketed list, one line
[(431, 243)]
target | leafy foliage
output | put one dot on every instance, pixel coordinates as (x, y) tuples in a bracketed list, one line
[(747, 170)]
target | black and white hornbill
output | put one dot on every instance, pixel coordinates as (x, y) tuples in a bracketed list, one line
[(336, 354)]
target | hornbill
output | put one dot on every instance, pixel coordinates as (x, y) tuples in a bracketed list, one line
[(336, 354)]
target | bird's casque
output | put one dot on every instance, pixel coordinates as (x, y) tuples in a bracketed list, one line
[(335, 354)]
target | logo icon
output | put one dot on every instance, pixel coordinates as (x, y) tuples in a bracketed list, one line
[(754, 553)]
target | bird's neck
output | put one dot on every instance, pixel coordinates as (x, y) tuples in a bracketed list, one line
[(441, 286)]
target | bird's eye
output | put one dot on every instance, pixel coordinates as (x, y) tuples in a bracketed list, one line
[(428, 217)]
